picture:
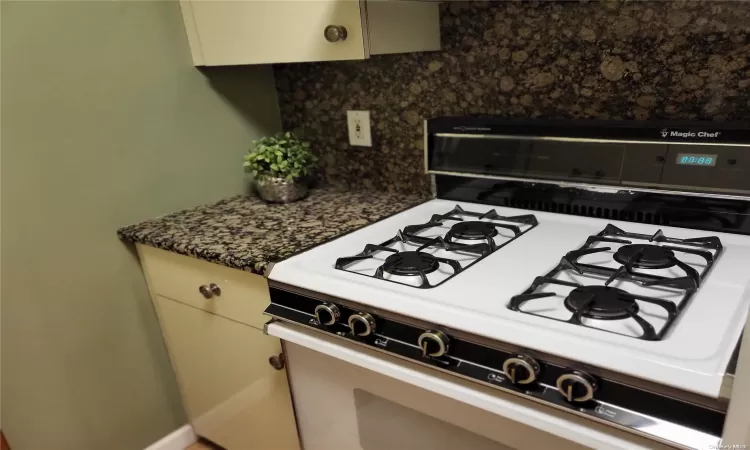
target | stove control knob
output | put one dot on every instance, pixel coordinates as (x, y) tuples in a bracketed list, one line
[(433, 343), (521, 369), (327, 313), (576, 387), (361, 324)]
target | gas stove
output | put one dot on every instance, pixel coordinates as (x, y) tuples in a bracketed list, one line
[(550, 267)]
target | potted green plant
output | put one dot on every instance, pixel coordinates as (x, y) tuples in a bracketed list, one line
[(279, 164)]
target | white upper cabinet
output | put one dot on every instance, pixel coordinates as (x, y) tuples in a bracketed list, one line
[(231, 32)]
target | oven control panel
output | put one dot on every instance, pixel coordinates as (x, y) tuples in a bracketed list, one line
[(699, 160), (535, 377), (707, 166)]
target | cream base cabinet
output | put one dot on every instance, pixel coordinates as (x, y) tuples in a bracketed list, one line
[(231, 394), (231, 32)]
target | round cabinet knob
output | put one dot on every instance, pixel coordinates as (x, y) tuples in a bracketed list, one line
[(576, 387), (327, 313), (334, 33), (433, 343), (361, 324), (205, 291), (277, 361), (521, 369), (208, 291)]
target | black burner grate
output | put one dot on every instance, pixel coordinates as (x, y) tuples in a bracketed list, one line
[(420, 263), (608, 303)]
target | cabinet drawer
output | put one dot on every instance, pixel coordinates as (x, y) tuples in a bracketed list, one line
[(243, 296)]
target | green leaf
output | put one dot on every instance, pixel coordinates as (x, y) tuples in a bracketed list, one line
[(274, 167)]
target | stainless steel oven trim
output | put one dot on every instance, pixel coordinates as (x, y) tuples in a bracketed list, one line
[(732, 365), (636, 187), (719, 404), (570, 139), (727, 385), (636, 431)]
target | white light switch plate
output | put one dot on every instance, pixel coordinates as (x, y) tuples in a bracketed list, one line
[(358, 123)]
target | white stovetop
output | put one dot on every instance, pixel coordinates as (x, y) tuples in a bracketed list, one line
[(693, 356)]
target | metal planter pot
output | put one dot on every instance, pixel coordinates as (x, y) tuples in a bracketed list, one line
[(280, 190)]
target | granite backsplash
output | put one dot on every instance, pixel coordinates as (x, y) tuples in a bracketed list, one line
[(626, 60)]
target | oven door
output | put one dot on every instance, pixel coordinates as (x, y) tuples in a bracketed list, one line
[(348, 397)]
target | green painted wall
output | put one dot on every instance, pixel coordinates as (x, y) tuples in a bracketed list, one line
[(104, 122)]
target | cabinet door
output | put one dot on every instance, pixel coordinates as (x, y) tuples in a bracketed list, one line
[(230, 392), (226, 32)]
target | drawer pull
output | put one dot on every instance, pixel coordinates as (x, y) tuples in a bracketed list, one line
[(210, 290), (335, 33), (277, 361)]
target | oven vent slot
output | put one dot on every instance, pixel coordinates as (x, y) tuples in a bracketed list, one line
[(588, 211)]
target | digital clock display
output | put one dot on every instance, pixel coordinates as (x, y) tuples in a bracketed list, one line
[(696, 159)]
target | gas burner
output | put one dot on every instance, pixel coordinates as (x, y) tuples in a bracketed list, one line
[(614, 305), (655, 280), (645, 256), (601, 302), (420, 250), (411, 264), (473, 230), (400, 266)]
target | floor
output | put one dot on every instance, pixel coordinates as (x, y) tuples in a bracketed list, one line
[(200, 446)]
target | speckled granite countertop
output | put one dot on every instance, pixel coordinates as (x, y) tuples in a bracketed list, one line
[(245, 233)]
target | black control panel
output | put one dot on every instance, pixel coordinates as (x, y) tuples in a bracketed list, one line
[(522, 373), (686, 157)]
